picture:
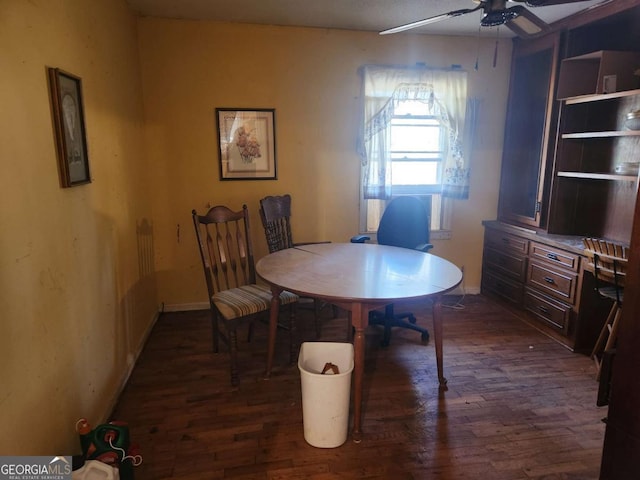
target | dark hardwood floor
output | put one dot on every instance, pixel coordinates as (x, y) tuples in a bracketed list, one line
[(518, 405)]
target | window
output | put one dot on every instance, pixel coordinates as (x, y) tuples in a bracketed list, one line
[(410, 143), (416, 149)]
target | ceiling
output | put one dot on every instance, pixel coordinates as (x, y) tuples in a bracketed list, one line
[(368, 15)]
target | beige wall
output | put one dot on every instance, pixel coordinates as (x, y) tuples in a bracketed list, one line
[(77, 291), (310, 77), (74, 305)]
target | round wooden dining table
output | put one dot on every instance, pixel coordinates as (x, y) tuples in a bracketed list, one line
[(359, 278)]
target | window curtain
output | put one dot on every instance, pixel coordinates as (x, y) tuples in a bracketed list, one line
[(444, 91), (457, 173)]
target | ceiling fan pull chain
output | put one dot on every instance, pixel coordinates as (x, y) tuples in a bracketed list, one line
[(475, 67), (495, 50)]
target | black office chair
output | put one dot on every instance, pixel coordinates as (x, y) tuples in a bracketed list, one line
[(404, 223)]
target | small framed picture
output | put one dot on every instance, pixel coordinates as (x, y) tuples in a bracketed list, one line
[(68, 118), (246, 140)]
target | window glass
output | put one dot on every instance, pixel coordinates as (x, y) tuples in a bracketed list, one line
[(416, 150)]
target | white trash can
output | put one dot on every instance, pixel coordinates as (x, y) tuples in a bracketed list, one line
[(325, 398)]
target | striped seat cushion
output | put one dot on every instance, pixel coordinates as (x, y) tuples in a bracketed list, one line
[(248, 299)]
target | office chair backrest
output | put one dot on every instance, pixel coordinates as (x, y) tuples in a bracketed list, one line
[(608, 262), (404, 223)]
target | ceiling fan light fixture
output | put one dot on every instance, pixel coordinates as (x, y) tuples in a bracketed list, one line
[(528, 27), (498, 17), (526, 24)]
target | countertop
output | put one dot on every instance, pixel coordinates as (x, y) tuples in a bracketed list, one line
[(572, 243)]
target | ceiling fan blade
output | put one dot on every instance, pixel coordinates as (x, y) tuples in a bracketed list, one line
[(427, 21), (525, 23), (546, 3)]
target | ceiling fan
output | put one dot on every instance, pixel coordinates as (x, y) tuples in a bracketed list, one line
[(495, 12)]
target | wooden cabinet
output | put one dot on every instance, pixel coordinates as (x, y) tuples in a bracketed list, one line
[(567, 168), (552, 281), (553, 314), (555, 257), (552, 285), (531, 111), (560, 181), (542, 276), (504, 265), (565, 136)]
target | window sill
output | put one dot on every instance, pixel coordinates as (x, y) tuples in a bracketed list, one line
[(440, 235)]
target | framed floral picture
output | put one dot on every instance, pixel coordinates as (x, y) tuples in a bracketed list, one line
[(68, 119), (246, 139)]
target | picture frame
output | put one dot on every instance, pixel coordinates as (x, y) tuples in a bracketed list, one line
[(246, 140), (68, 118)]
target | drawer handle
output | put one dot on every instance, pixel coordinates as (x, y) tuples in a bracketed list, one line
[(543, 309), (549, 280), (552, 256)]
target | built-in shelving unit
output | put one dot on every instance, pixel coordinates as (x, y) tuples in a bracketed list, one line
[(565, 142), (589, 197)]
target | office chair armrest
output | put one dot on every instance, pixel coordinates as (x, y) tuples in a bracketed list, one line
[(360, 239), (424, 247)]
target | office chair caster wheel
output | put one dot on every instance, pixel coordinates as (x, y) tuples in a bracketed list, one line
[(425, 337)]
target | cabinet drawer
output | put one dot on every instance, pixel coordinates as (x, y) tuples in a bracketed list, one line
[(501, 240), (551, 312), (503, 287), (554, 256), (557, 283), (508, 263)]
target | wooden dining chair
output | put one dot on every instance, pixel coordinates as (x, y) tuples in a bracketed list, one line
[(275, 213), (224, 242), (608, 263)]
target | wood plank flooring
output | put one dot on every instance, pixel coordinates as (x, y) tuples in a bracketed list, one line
[(518, 405)]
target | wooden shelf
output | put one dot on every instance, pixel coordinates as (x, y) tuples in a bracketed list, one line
[(613, 133), (599, 176), (600, 97), (597, 73)]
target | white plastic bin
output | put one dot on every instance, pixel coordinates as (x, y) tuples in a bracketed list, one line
[(96, 470), (325, 398)]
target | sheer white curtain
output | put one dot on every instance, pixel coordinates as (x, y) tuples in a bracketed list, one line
[(445, 92), (457, 172)]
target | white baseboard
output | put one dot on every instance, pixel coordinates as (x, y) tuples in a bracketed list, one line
[(184, 307), (132, 358), (464, 291)]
